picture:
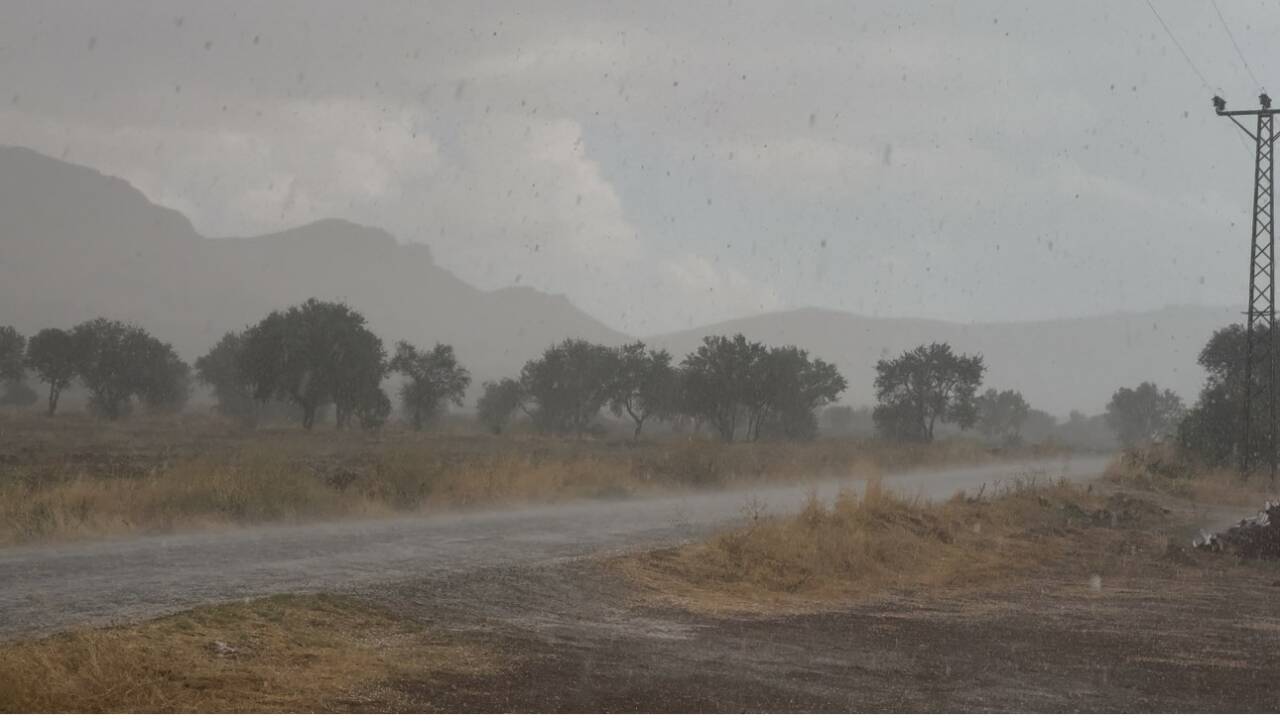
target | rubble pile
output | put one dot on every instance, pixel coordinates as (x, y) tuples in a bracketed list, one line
[(1251, 538)]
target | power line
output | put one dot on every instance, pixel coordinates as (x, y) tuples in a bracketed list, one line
[(1255, 444), (1234, 44), (1178, 45)]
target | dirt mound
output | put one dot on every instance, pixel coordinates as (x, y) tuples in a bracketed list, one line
[(1251, 538)]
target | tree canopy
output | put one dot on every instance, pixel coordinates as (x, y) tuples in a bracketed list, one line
[(569, 384), (737, 385), (316, 353), (1001, 415), (13, 347), (434, 379), (787, 389), (924, 386), (646, 385), (120, 362), (719, 382), (498, 402), (13, 388), (53, 356), (221, 370), (1144, 413)]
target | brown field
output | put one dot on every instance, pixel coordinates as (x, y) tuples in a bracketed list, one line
[(1033, 595), (1038, 596), (881, 542), (279, 654), (72, 476)]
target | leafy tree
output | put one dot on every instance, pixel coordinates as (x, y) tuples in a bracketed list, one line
[(12, 353), (719, 382), (220, 368), (17, 394), (646, 385), (314, 354), (787, 387), (1001, 414), (498, 402), (373, 409), (53, 355), (169, 385), (1081, 431), (357, 376), (1214, 426), (435, 378), (569, 384), (926, 385), (1040, 426), (13, 372), (119, 362), (1143, 414)]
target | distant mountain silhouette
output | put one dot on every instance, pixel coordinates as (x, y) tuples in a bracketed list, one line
[(1058, 365), (75, 244)]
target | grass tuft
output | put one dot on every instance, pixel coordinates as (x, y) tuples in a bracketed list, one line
[(280, 654), (1163, 469), (879, 541)]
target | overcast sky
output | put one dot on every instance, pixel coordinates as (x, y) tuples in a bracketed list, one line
[(668, 164)]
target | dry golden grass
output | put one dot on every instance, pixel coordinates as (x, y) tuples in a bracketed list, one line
[(1162, 469), (284, 654), (75, 477), (881, 542)]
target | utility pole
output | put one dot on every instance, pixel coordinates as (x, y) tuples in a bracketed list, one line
[(1253, 446)]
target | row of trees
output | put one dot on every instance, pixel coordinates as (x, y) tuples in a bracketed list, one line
[(739, 388), (931, 384), (118, 363), (323, 353), (320, 354), (1212, 429)]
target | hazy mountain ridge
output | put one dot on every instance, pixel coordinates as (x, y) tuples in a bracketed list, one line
[(75, 243), (82, 244)]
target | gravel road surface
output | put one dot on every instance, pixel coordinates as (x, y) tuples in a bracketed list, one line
[(53, 587)]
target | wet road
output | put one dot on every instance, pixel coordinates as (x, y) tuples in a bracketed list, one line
[(44, 589)]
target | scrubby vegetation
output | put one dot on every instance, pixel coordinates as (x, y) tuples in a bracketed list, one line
[(72, 476), (1169, 469), (879, 541), (280, 654)]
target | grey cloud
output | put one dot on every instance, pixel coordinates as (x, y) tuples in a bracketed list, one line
[(673, 163)]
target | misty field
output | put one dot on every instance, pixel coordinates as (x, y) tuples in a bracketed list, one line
[(73, 476)]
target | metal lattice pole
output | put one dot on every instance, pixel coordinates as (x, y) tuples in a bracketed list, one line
[(1254, 446)]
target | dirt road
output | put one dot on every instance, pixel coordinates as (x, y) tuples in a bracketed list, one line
[(44, 589)]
